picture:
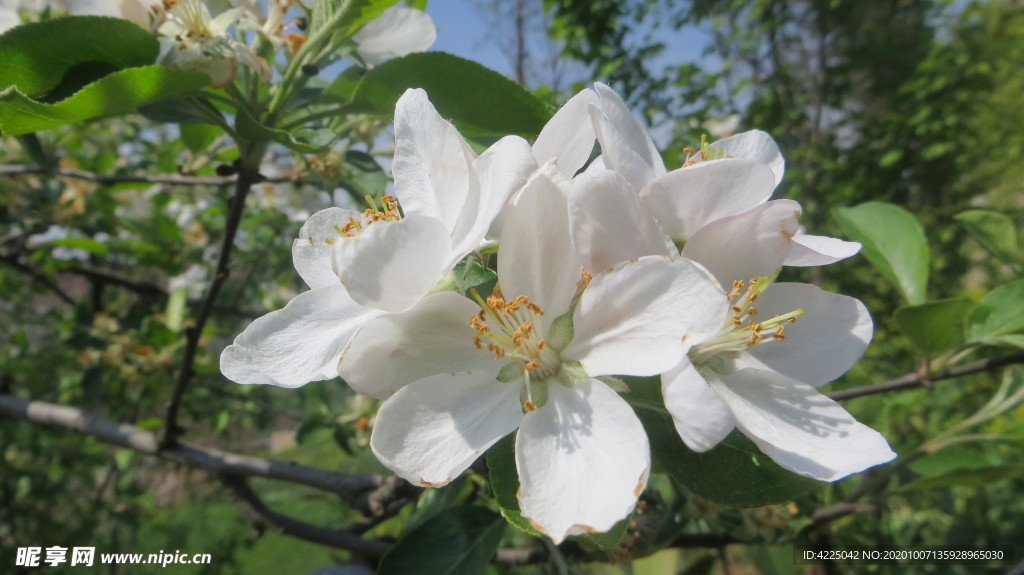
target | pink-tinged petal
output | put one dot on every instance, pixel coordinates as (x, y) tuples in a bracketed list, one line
[(689, 198), (610, 224), (537, 258), (312, 254), (390, 265), (432, 166), (641, 317), (396, 32), (583, 460), (819, 250), (569, 135), (701, 418), (820, 345), (799, 428), (298, 344), (432, 337), (432, 430), (501, 171), (754, 145), (625, 145), (748, 245)]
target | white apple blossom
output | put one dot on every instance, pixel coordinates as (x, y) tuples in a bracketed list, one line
[(755, 374), (528, 358), (720, 179), (360, 265), (142, 12)]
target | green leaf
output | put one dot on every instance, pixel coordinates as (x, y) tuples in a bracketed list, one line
[(471, 274), (36, 56), (359, 12), (479, 100), (734, 473), (305, 141), (458, 541), (893, 242), (948, 459), (433, 501), (935, 326), (1000, 312), (118, 93), (198, 137), (79, 243), (994, 231), (501, 467)]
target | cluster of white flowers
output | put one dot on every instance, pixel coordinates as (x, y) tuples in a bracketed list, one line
[(192, 38), (591, 283)]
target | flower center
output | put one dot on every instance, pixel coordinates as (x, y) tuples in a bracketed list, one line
[(706, 152), (386, 212), (193, 17), (740, 331), (507, 329)]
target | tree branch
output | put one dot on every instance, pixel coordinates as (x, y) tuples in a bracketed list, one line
[(172, 179), (38, 277), (248, 174), (351, 488), (912, 380), (262, 517)]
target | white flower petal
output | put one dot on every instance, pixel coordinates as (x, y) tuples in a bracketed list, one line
[(755, 145), (432, 337), (641, 317), (501, 171), (625, 145), (819, 250), (799, 428), (689, 198), (390, 265), (432, 165), (298, 344), (583, 459), (610, 224), (822, 344), (701, 418), (311, 253), (137, 11), (537, 259), (748, 245), (568, 135), (432, 430), (396, 32)]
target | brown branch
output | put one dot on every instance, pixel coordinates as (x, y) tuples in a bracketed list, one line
[(912, 380), (262, 517), (172, 179), (825, 515), (248, 174), (351, 488)]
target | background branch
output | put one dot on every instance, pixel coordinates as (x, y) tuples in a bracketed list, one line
[(171, 179)]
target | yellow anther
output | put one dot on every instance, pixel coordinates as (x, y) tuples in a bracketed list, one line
[(751, 311), (529, 405)]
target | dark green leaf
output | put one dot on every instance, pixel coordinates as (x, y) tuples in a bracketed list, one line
[(948, 459), (433, 501), (364, 176), (734, 473), (994, 231), (359, 12), (501, 467), (479, 100), (458, 541), (982, 477), (935, 326), (198, 137), (893, 242), (177, 112), (118, 93), (471, 274), (999, 313), (36, 56)]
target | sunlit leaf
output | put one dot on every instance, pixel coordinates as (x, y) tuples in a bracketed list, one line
[(118, 93), (994, 231), (893, 242), (999, 313)]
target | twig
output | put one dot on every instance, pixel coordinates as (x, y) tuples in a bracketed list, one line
[(351, 488), (172, 179), (826, 515), (912, 380), (248, 174), (38, 277), (262, 517)]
